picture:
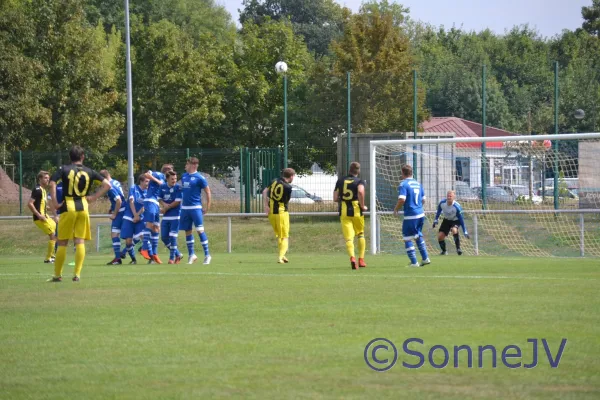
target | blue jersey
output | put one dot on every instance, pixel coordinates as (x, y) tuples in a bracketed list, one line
[(168, 195), (116, 192), (137, 194), (59, 193), (413, 194), (192, 185), (451, 212), (153, 187)]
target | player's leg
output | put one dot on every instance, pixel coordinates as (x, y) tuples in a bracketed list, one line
[(173, 235), (127, 231), (199, 224), (359, 228), (81, 233), (66, 224), (284, 235), (421, 241), (454, 231), (348, 233), (164, 233), (186, 224), (155, 233), (408, 234), (115, 233), (442, 233)]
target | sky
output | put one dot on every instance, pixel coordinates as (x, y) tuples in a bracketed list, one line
[(548, 17)]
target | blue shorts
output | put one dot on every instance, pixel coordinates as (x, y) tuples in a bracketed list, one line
[(115, 226), (189, 217), (169, 227), (151, 213), (131, 230), (411, 228)]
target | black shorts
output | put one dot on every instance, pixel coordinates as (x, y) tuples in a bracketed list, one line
[(447, 225)]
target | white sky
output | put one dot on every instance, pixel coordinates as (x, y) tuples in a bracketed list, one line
[(549, 17)]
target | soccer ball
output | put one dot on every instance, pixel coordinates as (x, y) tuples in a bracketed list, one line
[(579, 114), (281, 67)]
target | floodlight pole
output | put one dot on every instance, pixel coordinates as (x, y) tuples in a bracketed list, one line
[(415, 122), (285, 123), (483, 134), (130, 179), (555, 166)]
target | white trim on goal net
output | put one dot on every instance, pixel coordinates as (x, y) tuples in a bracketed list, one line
[(373, 144)]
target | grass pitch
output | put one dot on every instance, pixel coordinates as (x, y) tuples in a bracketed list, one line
[(248, 327)]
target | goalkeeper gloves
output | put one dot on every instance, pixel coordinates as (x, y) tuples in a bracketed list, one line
[(434, 223), (467, 235)]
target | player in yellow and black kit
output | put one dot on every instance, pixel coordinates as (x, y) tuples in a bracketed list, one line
[(276, 198), (350, 193), (74, 222), (37, 204)]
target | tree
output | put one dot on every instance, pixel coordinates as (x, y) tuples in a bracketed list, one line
[(379, 56), (177, 91), (21, 90), (591, 16), (317, 21)]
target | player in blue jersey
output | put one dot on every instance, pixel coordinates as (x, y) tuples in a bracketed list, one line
[(117, 210), (453, 218), (132, 227), (152, 214), (410, 198), (169, 197), (192, 212)]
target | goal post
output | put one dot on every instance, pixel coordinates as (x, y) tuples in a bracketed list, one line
[(537, 199)]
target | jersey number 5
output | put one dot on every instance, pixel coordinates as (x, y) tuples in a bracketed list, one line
[(74, 180), (347, 192)]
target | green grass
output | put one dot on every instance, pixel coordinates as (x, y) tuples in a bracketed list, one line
[(246, 327)]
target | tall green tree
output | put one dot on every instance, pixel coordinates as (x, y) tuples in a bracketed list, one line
[(317, 21), (591, 17), (177, 90), (380, 58)]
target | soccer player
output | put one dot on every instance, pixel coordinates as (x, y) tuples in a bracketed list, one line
[(192, 212), (350, 193), (74, 222), (453, 217), (410, 198), (169, 197), (132, 227), (152, 215), (276, 197), (38, 206), (117, 210)]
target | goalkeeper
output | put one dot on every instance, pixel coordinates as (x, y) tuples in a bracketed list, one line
[(453, 217)]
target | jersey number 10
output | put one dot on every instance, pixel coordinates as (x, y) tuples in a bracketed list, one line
[(74, 180)]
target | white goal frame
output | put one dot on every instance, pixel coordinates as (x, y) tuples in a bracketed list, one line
[(518, 138)]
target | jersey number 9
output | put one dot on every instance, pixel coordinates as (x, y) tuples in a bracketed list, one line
[(277, 191)]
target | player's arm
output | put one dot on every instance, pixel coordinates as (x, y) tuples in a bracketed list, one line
[(53, 179), (336, 191), (208, 200), (361, 197), (151, 176), (106, 186), (437, 214), (34, 196), (118, 204), (461, 221), (401, 198), (266, 193)]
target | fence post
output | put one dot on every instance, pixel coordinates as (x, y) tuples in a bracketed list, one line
[(483, 134), (555, 166), (229, 234), (415, 122), (187, 153), (349, 136), (98, 238), (241, 169), (476, 234), (581, 235), (20, 182)]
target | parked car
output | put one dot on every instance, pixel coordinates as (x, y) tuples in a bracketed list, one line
[(303, 193), (496, 194), (464, 192), (299, 196), (522, 191), (564, 193)]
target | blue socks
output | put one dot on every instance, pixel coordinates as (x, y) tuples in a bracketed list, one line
[(189, 240), (116, 244), (410, 251), (422, 247), (204, 243)]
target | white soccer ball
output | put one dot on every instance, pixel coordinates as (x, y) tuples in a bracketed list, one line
[(281, 67)]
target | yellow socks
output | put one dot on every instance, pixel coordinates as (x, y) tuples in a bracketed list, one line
[(362, 246), (79, 257), (61, 254), (350, 247), (50, 250), (283, 247)]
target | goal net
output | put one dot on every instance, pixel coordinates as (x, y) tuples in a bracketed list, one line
[(521, 195)]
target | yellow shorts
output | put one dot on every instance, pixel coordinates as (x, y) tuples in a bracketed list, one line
[(74, 224), (352, 226), (281, 224), (48, 226)]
